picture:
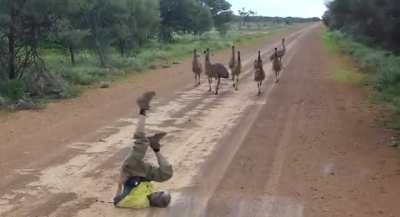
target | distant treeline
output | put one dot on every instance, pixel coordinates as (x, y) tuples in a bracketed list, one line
[(372, 21), (276, 19)]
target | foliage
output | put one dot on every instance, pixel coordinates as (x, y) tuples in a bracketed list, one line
[(185, 16), (382, 68), (53, 47), (23, 25), (221, 13), (13, 89), (372, 21)]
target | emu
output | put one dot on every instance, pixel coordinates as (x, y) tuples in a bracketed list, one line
[(281, 52), (236, 71), (216, 71), (232, 64), (259, 74), (276, 65), (196, 67)]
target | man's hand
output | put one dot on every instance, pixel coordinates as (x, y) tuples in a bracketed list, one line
[(144, 101), (155, 141)]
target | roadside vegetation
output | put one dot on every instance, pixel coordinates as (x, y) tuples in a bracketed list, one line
[(51, 49), (369, 32)]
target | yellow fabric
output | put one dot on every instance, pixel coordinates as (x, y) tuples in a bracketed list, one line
[(137, 198)]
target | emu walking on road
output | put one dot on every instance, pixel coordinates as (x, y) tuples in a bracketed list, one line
[(196, 67), (281, 52), (276, 65), (259, 75), (236, 72), (232, 64), (214, 71)]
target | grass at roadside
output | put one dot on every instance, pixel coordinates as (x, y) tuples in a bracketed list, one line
[(65, 80), (341, 73), (348, 76), (153, 55), (375, 68)]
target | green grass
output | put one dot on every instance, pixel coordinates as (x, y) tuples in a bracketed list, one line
[(342, 74), (348, 76), (378, 68), (155, 54), (73, 79)]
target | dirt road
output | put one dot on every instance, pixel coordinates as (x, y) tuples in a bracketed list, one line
[(306, 147)]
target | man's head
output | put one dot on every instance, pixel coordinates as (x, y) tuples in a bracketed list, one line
[(159, 199)]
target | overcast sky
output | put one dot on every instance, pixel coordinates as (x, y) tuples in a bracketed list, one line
[(283, 8)]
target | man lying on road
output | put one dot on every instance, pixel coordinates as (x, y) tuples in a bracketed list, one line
[(135, 189)]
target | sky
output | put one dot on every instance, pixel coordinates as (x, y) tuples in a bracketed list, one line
[(282, 8)]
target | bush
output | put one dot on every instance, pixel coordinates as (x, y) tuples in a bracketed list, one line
[(3, 101), (12, 89), (83, 75), (383, 66)]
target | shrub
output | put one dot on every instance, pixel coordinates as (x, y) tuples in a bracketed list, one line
[(12, 89), (383, 66)]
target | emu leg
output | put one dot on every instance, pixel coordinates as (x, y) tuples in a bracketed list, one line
[(209, 82), (217, 88), (237, 83)]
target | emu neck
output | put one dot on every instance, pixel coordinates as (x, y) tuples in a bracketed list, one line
[(207, 62)]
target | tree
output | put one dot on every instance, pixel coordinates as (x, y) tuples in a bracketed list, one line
[(184, 15), (244, 16), (100, 17), (375, 21), (70, 37), (69, 30), (140, 24), (221, 13), (23, 25)]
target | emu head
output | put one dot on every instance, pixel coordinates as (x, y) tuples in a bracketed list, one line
[(207, 54), (258, 62)]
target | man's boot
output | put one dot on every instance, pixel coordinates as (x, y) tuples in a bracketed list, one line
[(155, 140), (144, 101)]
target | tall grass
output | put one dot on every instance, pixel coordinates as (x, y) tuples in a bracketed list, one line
[(381, 67)]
